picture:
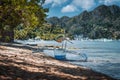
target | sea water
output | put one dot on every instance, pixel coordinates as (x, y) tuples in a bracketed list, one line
[(103, 56)]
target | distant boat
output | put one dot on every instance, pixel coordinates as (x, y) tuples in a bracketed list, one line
[(31, 40), (103, 39), (37, 38)]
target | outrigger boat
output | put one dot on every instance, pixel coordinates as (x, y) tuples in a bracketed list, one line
[(60, 53)]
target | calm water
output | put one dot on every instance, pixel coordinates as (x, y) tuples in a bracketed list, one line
[(103, 56)]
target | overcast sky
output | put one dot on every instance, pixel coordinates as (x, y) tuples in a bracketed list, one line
[(70, 8)]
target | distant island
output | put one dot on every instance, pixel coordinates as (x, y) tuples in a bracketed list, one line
[(102, 22)]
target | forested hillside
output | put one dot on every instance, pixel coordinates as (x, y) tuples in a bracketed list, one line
[(102, 22)]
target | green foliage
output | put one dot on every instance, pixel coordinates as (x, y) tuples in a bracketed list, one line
[(46, 32), (29, 13), (102, 22), (7, 38)]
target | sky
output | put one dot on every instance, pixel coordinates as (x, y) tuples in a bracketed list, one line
[(71, 8)]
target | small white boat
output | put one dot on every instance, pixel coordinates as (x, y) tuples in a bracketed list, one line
[(61, 53)]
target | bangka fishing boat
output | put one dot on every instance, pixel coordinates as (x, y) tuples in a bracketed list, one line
[(60, 52)]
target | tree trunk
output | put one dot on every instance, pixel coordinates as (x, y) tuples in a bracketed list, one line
[(7, 35)]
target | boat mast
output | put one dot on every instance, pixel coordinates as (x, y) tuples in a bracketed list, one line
[(65, 40)]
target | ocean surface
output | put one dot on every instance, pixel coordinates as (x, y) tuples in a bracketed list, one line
[(103, 55)]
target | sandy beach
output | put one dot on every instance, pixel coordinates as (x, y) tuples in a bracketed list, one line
[(18, 62)]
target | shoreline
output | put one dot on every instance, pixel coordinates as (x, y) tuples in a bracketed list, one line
[(17, 62)]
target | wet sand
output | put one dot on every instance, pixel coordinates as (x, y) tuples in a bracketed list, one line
[(18, 62)]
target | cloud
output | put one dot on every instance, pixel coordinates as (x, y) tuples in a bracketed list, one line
[(48, 1), (69, 8), (109, 2), (76, 5), (55, 2), (84, 4), (79, 5)]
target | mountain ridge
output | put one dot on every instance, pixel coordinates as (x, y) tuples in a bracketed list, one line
[(102, 22)]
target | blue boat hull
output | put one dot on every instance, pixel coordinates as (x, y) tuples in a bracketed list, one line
[(60, 57)]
